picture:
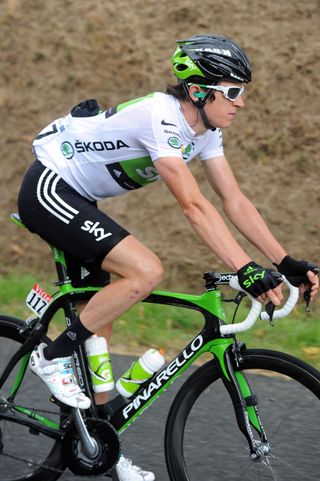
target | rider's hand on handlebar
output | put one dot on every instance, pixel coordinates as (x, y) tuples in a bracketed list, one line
[(261, 282), (301, 274), (313, 287), (274, 295)]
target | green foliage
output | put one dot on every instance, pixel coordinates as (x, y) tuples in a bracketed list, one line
[(171, 328)]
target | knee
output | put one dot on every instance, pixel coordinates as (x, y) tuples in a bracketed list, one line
[(157, 272), (148, 275)]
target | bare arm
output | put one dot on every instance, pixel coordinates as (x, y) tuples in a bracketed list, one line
[(240, 210), (204, 218)]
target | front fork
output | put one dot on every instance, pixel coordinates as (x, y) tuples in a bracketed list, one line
[(228, 354)]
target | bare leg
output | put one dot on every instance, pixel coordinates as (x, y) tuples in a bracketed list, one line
[(139, 270)]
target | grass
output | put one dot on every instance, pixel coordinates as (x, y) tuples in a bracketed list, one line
[(172, 328)]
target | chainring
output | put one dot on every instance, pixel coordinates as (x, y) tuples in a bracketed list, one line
[(108, 443)]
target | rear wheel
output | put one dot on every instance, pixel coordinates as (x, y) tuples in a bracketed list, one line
[(25, 454), (203, 441)]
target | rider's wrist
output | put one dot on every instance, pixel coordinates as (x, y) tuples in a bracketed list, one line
[(245, 266), (284, 262)]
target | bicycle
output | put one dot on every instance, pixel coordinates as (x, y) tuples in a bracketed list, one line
[(262, 441)]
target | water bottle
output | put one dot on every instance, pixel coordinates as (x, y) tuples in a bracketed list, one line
[(139, 372), (99, 364)]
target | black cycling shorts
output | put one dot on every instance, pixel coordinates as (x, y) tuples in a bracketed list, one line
[(49, 207)]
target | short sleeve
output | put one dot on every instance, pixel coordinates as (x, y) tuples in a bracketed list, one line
[(160, 133)]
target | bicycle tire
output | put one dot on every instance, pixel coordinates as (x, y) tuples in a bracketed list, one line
[(40, 461), (195, 434)]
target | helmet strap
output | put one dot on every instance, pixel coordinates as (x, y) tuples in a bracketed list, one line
[(200, 106), (204, 117)]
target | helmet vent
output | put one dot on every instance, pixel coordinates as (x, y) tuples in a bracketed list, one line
[(181, 67)]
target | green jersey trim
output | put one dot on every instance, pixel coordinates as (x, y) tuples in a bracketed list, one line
[(133, 173), (134, 101), (141, 170)]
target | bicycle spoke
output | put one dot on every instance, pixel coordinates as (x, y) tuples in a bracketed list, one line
[(292, 467)]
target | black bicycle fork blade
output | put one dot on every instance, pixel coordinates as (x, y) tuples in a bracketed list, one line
[(243, 400)]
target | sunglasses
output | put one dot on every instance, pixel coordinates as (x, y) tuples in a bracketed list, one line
[(230, 93)]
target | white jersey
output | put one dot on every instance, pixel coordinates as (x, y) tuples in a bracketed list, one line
[(110, 153)]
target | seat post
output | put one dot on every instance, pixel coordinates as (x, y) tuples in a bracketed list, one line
[(61, 266)]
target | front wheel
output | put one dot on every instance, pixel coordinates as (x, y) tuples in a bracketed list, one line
[(202, 438)]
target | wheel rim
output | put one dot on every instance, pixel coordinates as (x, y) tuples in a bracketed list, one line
[(214, 449)]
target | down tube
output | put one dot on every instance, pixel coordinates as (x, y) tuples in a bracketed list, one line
[(159, 383)]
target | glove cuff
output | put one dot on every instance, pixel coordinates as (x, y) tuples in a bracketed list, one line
[(286, 263), (251, 265)]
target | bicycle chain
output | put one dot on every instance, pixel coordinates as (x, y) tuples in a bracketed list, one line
[(34, 463), (28, 461), (45, 411), (11, 404)]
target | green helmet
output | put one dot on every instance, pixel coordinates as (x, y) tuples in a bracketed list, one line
[(183, 65), (212, 57)]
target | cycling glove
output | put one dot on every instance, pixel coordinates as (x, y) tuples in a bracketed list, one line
[(296, 271), (257, 280)]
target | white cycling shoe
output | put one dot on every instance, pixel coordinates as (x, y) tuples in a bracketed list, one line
[(59, 377), (127, 471)]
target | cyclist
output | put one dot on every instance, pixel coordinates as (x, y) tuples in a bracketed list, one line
[(91, 154)]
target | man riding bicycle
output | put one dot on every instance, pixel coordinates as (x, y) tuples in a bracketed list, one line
[(91, 154)]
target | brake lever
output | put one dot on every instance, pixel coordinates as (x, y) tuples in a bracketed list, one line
[(307, 292), (270, 307), (307, 297)]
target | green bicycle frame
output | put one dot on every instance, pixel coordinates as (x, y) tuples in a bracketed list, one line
[(125, 412)]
